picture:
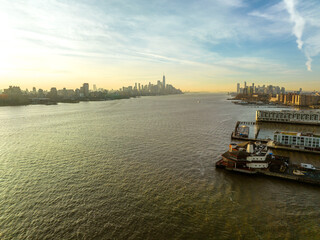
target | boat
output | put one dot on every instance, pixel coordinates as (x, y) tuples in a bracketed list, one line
[(308, 166), (298, 172), (249, 157), (255, 158)]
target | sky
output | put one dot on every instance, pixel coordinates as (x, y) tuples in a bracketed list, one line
[(200, 45)]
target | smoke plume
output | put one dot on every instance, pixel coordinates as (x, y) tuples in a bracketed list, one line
[(299, 24), (308, 63), (298, 21)]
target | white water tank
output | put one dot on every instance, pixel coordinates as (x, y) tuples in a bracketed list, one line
[(250, 148)]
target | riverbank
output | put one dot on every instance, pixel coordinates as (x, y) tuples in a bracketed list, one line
[(49, 101)]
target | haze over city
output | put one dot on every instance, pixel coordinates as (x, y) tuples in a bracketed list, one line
[(200, 45)]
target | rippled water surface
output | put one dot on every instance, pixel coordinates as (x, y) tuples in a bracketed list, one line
[(140, 169)]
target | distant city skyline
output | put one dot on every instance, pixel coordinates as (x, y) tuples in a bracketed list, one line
[(200, 45), (92, 86), (251, 88), (85, 88), (238, 88), (15, 96)]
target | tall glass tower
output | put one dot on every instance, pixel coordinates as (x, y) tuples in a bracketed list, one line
[(164, 81)]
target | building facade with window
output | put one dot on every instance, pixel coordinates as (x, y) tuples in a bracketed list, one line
[(307, 140), (300, 117)]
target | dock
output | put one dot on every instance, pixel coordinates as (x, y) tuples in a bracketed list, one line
[(236, 136)]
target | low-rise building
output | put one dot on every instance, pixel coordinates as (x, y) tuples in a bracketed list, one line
[(285, 116), (306, 140)]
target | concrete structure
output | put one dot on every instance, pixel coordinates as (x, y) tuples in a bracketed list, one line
[(297, 99), (294, 139), (285, 116)]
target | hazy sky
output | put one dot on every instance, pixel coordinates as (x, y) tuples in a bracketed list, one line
[(207, 45)]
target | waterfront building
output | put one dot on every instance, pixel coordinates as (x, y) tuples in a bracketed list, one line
[(285, 116), (77, 92), (308, 140), (86, 89), (81, 92), (297, 99), (53, 93), (40, 93), (13, 90)]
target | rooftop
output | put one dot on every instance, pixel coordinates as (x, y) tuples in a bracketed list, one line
[(298, 134)]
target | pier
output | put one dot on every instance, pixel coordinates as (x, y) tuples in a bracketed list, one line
[(289, 117), (236, 136)]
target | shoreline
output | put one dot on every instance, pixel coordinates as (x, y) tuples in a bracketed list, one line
[(75, 101)]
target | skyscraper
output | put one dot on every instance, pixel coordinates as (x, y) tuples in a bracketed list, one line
[(164, 81), (86, 89), (238, 88)]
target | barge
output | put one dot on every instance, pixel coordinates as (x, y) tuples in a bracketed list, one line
[(255, 158)]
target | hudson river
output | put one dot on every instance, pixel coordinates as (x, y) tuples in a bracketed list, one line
[(140, 169)]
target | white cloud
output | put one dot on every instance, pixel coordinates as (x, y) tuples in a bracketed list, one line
[(123, 28)]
